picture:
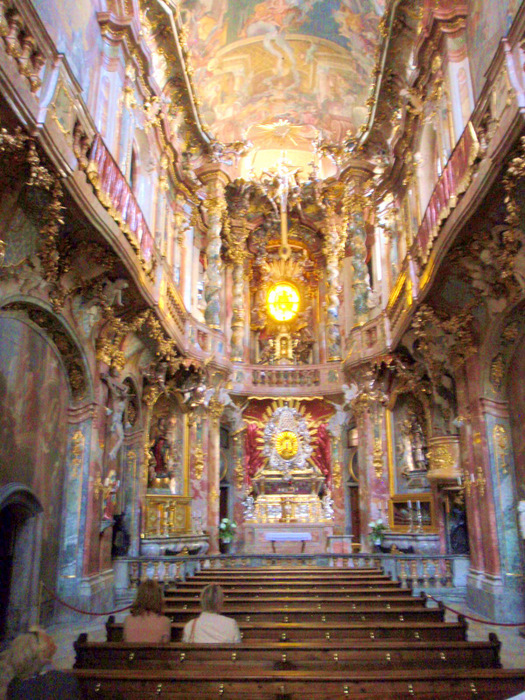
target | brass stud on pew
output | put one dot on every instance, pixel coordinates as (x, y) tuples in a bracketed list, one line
[(131, 656), (372, 635), (401, 618), (283, 658), (473, 688), (323, 618), (388, 606), (185, 606), (416, 635), (388, 657), (234, 656), (443, 656), (327, 635), (353, 605), (346, 690), (242, 635), (159, 688), (248, 618), (283, 636), (363, 617), (221, 689), (319, 606), (97, 687), (286, 618), (410, 689), (336, 656), (182, 656)]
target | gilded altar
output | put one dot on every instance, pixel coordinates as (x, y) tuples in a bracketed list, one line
[(166, 515)]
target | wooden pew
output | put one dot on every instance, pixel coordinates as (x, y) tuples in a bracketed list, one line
[(265, 684), (372, 612), (298, 632), (379, 654)]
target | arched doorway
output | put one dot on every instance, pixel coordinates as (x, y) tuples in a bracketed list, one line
[(20, 544)]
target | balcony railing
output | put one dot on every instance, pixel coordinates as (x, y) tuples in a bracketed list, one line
[(454, 181), (114, 193)]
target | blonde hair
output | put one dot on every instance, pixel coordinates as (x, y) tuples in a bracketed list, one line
[(212, 598), (149, 599), (27, 654)]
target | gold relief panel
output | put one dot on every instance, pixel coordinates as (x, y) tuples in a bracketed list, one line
[(501, 449), (167, 515), (443, 458), (497, 371)]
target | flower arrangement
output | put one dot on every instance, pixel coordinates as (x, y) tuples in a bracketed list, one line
[(377, 531), (227, 530)]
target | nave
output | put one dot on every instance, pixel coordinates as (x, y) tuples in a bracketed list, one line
[(332, 633)]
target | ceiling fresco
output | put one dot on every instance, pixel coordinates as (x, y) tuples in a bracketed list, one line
[(307, 61)]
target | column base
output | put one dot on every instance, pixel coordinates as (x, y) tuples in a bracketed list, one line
[(496, 599), (92, 594)]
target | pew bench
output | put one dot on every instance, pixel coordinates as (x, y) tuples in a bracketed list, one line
[(377, 613), (298, 632), (269, 684), (379, 654)]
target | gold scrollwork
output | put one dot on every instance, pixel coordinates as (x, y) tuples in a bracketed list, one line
[(337, 474), (378, 458), (198, 464), (497, 371), (501, 446)]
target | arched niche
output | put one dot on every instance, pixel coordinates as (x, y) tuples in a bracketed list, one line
[(164, 449), (20, 549), (44, 386)]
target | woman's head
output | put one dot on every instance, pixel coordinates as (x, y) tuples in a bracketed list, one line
[(30, 652), (212, 598), (149, 598)]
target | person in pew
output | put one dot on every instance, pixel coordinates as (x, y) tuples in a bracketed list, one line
[(211, 627), (146, 623), (28, 663)]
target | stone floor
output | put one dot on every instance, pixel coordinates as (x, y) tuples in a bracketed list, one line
[(512, 644)]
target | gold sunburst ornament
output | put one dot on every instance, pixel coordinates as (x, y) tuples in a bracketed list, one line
[(283, 301), (286, 444)]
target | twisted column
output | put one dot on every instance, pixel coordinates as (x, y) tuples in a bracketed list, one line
[(333, 250), (238, 254), (215, 206), (215, 408), (356, 203)]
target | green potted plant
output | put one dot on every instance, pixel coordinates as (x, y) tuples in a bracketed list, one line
[(377, 532), (226, 534)]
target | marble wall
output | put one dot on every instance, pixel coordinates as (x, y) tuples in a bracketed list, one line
[(33, 415)]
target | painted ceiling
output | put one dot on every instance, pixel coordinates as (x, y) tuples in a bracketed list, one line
[(309, 62)]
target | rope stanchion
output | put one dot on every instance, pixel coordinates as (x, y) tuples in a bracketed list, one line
[(82, 612), (476, 619)]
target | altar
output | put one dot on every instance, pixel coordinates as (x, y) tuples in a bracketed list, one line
[(286, 538)]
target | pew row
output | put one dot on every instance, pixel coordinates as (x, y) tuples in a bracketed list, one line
[(297, 632), (385, 654), (266, 684)]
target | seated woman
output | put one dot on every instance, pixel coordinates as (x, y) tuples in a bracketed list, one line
[(28, 662), (211, 627), (146, 623)]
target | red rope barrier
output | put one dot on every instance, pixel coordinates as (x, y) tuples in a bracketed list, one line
[(82, 612), (476, 619)]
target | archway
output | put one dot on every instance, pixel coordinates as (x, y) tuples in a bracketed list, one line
[(20, 545)]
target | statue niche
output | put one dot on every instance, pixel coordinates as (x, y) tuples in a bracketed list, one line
[(164, 447), (410, 436)]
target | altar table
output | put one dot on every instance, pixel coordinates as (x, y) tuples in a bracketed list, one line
[(283, 536)]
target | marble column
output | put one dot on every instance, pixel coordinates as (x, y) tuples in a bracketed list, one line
[(495, 586), (356, 203), (215, 409), (333, 250), (215, 206), (238, 252)]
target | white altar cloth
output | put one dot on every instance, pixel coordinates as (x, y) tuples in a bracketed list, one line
[(281, 536)]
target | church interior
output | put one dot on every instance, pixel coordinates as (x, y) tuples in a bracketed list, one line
[(265, 262)]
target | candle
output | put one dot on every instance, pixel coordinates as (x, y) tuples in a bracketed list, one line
[(418, 505)]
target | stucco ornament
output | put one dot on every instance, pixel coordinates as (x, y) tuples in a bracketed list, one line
[(287, 442)]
